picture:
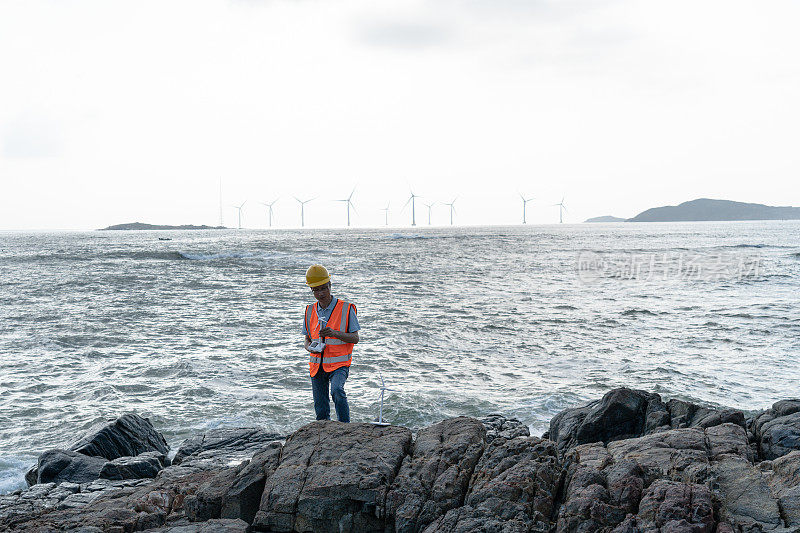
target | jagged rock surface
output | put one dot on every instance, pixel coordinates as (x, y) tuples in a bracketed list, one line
[(435, 476), (144, 465), (514, 488), (690, 469), (777, 430), (333, 477), (223, 446)]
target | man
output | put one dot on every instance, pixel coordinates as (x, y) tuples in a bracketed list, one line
[(333, 321)]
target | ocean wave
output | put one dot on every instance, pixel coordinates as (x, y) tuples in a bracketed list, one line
[(633, 312), (12, 472), (409, 236)]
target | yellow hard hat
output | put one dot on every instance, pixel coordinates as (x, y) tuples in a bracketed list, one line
[(317, 275)]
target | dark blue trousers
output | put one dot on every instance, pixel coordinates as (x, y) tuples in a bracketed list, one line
[(335, 380)]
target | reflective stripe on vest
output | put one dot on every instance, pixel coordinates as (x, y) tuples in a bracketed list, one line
[(337, 353)]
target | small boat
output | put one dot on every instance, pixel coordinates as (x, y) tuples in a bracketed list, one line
[(164, 239)]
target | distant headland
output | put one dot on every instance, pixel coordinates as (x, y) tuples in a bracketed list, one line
[(606, 218), (705, 209), (141, 226)]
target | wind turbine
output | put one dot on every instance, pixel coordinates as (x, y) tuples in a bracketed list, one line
[(524, 205), (413, 212), (302, 210), (561, 209), (429, 211), (269, 205), (239, 207), (380, 421), (452, 209), (221, 223), (386, 214), (349, 203)]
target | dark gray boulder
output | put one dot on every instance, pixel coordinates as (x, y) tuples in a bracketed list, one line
[(56, 466), (127, 436), (685, 414), (333, 477), (777, 430), (223, 446), (144, 465), (514, 488), (211, 526), (620, 414), (434, 478)]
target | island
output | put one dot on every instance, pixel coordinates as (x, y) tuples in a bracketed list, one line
[(606, 218), (138, 226), (705, 209)]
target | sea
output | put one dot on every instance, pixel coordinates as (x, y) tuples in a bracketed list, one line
[(202, 329)]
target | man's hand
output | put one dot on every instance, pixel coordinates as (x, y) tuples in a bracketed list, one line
[(328, 332)]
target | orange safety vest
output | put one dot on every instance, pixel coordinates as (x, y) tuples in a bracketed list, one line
[(337, 353)]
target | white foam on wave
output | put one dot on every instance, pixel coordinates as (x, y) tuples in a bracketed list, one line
[(12, 472), (409, 236)]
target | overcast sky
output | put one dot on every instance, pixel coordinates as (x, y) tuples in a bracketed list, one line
[(116, 111)]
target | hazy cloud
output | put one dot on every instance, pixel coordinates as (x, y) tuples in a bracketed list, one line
[(404, 35), (30, 136)]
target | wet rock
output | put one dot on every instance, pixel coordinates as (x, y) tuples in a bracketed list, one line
[(434, 478), (507, 428), (145, 465), (333, 477), (514, 488), (55, 466), (223, 447), (127, 436), (620, 414)]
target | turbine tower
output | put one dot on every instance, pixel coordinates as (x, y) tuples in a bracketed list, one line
[(561, 209), (239, 207), (386, 215), (429, 211), (349, 204), (524, 205), (452, 209), (384, 388), (302, 210), (269, 206), (413, 212)]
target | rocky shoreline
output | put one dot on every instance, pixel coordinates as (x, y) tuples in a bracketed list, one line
[(626, 463)]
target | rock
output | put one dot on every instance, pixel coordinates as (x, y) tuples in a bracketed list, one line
[(783, 477), (610, 485), (144, 465), (779, 436), (500, 426), (514, 488), (435, 477), (746, 501), (55, 466), (207, 502), (333, 477), (244, 497), (211, 526), (127, 436), (620, 414), (221, 447)]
